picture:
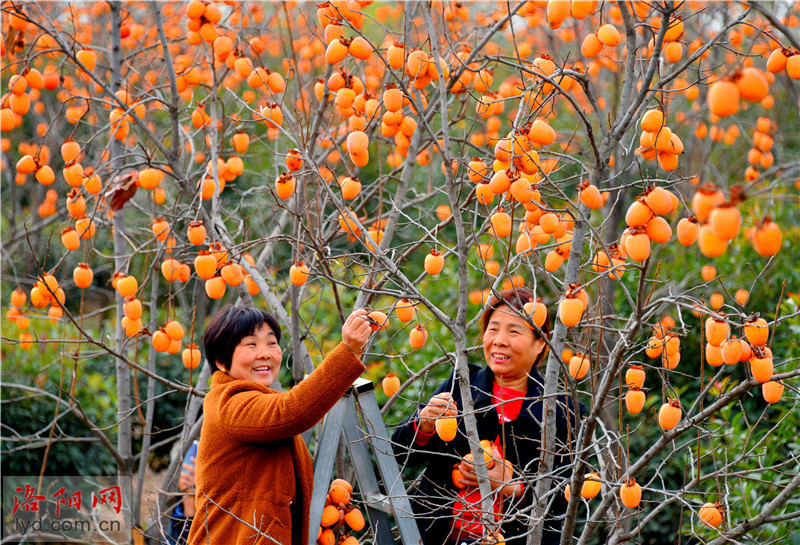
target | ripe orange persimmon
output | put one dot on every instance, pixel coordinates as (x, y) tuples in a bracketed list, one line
[(669, 414), (88, 58), (82, 275), (456, 477), (25, 339), (772, 391), (240, 142), (196, 233), (637, 246), (215, 287), (634, 400), (591, 46), (714, 355), (638, 214), (541, 133), (205, 264), (477, 170), (590, 196), (652, 121), (294, 160), (191, 356), (725, 220), (761, 366), (591, 486), (776, 62), (131, 327), (716, 331), (710, 244), (417, 337), (608, 35), (70, 239), (570, 310), (174, 330), (767, 238), (711, 514), (537, 311), (298, 273), (70, 150), (326, 536), (434, 262), (160, 229), (132, 308), (351, 187), (688, 229), (557, 12), (339, 494), (446, 428), (630, 493), (380, 319), (18, 298), (417, 63), (501, 223), (160, 341), (731, 350), (285, 185), (393, 98), (127, 285), (343, 483), (635, 376), (395, 55), (549, 222), (756, 330), (753, 86), (484, 193), (578, 366), (355, 520), (170, 269), (232, 274), (330, 516), (723, 98), (525, 243), (390, 384)]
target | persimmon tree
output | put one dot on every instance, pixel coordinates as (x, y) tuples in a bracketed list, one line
[(632, 163)]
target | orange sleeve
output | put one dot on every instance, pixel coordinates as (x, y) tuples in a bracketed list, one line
[(253, 416)]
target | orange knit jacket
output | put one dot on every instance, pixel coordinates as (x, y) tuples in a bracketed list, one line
[(254, 474)]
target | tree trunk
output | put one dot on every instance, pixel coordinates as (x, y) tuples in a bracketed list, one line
[(124, 433)]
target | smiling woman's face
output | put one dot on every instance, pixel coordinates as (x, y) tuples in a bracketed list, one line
[(257, 357), (510, 346)]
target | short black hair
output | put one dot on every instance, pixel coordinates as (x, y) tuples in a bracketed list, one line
[(516, 299), (228, 327)]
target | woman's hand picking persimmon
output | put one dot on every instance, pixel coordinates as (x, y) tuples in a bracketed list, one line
[(436, 407), (356, 331), (499, 473)]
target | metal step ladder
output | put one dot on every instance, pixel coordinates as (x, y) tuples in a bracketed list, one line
[(358, 416)]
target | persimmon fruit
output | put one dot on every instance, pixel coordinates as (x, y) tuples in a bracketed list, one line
[(390, 384), (446, 428), (630, 493), (669, 415)]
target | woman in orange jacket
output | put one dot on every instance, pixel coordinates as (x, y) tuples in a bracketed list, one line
[(254, 473)]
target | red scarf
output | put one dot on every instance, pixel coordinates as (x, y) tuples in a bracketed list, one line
[(466, 523)]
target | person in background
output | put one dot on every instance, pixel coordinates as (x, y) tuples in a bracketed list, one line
[(507, 394), (254, 472), (183, 513)]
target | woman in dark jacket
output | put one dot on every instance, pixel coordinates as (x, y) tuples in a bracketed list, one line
[(507, 395)]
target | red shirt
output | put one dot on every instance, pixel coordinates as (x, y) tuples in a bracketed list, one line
[(466, 524)]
